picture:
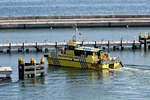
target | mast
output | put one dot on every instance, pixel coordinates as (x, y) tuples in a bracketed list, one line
[(74, 38)]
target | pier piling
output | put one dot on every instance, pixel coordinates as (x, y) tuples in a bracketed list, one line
[(95, 45), (122, 48), (133, 45), (108, 44), (145, 42)]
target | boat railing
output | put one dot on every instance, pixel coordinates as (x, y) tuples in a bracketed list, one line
[(112, 60)]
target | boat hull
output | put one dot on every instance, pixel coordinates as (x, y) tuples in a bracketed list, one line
[(81, 64)]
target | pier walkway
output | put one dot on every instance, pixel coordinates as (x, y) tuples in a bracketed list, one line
[(80, 21), (39, 46), (143, 41)]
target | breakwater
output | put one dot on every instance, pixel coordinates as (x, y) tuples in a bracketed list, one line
[(80, 21)]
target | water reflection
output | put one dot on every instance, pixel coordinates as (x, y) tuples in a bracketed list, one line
[(32, 82), (5, 80), (76, 76), (100, 75)]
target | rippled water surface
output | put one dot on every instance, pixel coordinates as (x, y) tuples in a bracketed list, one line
[(72, 7), (131, 82)]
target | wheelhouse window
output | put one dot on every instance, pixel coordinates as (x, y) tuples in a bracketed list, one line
[(78, 52), (89, 53), (71, 47)]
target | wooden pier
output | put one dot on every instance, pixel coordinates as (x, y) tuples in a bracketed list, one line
[(143, 42), (30, 70), (45, 46)]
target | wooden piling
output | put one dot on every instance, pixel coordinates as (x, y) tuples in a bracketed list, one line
[(21, 69), (145, 42), (121, 45), (56, 46), (23, 46), (46, 50), (108, 44), (27, 50), (42, 62), (114, 48), (38, 49), (36, 46), (9, 48), (95, 45), (133, 45), (82, 42)]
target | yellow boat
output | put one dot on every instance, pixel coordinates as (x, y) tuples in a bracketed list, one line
[(78, 56)]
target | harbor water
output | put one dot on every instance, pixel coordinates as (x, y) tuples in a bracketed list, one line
[(130, 82), (72, 7)]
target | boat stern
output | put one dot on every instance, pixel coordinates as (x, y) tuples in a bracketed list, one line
[(115, 63)]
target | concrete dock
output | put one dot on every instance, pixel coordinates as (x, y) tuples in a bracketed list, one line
[(80, 21)]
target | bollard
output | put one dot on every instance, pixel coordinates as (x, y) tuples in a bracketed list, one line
[(145, 37), (140, 35), (34, 62), (19, 60), (42, 61), (31, 61)]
